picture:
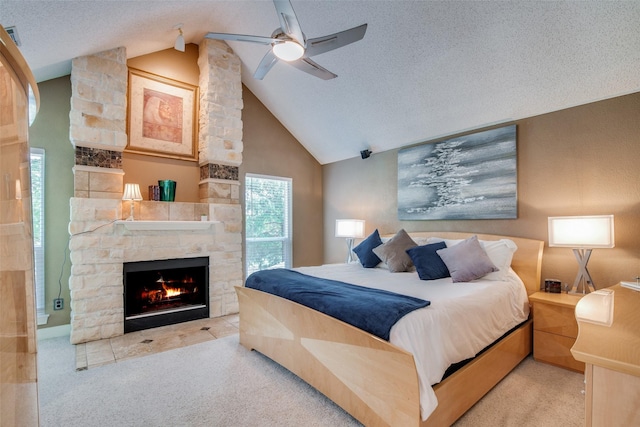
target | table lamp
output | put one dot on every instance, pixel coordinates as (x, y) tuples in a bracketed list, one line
[(582, 233), (350, 229), (131, 192)]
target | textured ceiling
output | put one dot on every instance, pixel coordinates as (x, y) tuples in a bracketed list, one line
[(424, 70)]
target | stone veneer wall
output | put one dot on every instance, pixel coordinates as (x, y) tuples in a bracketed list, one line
[(97, 123), (98, 245), (220, 134)]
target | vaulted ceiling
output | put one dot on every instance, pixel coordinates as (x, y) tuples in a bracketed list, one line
[(424, 69)]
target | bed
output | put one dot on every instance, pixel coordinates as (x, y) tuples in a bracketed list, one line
[(374, 380)]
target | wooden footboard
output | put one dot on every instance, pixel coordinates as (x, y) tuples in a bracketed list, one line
[(460, 391), (373, 380)]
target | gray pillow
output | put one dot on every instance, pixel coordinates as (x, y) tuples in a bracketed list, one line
[(467, 260), (394, 254)]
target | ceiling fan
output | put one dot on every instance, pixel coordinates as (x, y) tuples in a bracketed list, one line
[(289, 43)]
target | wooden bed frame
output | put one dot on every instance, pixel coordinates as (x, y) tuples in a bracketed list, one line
[(373, 380)]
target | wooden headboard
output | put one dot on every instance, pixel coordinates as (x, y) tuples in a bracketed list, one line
[(527, 260)]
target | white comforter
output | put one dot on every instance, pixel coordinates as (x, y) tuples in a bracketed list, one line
[(463, 318)]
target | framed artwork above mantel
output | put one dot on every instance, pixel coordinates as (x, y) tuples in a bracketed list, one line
[(466, 177), (162, 116)]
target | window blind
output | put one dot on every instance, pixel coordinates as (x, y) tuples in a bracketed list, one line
[(267, 222), (37, 208)]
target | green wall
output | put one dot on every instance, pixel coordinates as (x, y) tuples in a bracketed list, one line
[(50, 130)]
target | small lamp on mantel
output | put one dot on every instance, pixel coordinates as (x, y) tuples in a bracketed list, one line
[(131, 192), (582, 233), (350, 229)]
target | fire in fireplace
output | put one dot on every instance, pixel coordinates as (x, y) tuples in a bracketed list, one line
[(164, 292)]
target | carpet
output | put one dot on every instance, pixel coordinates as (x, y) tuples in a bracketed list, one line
[(220, 383)]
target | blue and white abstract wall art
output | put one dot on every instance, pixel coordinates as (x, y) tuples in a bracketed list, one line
[(468, 177)]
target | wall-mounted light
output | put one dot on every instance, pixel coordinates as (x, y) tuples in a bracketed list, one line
[(582, 233), (131, 192), (350, 229), (179, 44)]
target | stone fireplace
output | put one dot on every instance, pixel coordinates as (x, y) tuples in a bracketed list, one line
[(101, 242)]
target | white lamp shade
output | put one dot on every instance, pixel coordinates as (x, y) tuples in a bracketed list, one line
[(288, 51), (353, 228), (132, 192), (595, 231)]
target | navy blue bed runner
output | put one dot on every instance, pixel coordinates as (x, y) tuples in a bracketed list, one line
[(372, 310)]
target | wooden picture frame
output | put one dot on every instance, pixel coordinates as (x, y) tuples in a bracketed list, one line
[(162, 116)]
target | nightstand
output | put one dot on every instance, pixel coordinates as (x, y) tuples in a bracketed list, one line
[(555, 329)]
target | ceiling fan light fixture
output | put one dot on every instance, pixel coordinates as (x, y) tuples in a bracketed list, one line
[(288, 50)]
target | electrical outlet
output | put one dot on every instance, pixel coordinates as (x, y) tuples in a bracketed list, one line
[(58, 304)]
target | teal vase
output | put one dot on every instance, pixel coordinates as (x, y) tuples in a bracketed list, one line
[(167, 190)]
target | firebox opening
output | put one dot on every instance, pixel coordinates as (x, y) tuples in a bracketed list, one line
[(164, 292)]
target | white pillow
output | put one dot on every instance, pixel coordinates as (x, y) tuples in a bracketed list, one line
[(500, 253), (420, 241)]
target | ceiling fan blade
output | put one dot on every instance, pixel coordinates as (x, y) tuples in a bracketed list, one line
[(268, 61), (319, 45), (288, 20), (308, 66), (241, 38)]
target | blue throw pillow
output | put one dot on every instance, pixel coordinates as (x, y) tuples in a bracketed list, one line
[(428, 263), (365, 250)]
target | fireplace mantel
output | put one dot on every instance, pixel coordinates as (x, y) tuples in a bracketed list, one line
[(166, 225)]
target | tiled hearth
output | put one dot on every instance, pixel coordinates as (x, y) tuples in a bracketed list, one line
[(112, 350)]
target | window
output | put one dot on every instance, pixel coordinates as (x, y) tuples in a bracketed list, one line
[(37, 207), (268, 222)]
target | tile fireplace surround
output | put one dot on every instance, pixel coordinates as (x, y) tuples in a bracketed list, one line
[(100, 241)]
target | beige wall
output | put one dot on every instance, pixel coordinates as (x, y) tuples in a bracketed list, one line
[(579, 161), (269, 149), (147, 170)]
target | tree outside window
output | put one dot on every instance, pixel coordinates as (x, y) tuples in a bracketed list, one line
[(267, 222)]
